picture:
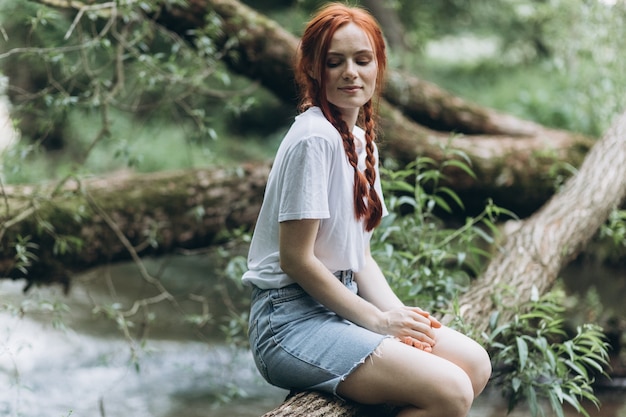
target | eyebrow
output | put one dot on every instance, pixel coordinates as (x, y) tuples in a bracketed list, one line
[(362, 51)]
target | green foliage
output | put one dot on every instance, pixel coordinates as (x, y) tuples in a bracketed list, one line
[(234, 325), (557, 62), (535, 358), (117, 88), (53, 310), (25, 253), (614, 231), (430, 264), (427, 262)]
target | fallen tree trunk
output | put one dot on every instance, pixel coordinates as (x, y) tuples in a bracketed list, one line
[(156, 213), (531, 257), (264, 52), (534, 255), (511, 171)]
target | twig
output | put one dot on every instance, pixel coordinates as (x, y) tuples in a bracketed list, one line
[(163, 296), (129, 247), (5, 196), (17, 219), (4, 33)]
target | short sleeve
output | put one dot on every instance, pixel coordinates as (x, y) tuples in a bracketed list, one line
[(305, 171)]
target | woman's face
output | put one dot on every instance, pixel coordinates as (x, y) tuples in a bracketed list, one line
[(351, 70)]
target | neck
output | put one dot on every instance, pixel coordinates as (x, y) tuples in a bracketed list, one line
[(349, 116)]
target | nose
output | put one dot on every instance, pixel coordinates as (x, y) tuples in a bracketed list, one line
[(350, 70)]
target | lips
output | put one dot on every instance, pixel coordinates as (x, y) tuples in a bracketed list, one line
[(351, 88)]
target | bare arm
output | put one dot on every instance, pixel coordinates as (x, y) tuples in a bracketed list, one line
[(298, 260), (373, 285)]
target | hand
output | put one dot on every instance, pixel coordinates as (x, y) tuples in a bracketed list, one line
[(416, 343), (411, 325)]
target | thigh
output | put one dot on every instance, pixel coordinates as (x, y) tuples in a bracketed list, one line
[(403, 375)]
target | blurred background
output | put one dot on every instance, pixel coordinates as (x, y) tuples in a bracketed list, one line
[(104, 88)]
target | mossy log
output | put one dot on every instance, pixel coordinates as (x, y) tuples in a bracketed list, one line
[(80, 224), (532, 256), (320, 404)]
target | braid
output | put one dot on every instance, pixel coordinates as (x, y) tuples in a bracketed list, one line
[(310, 75), (375, 210), (363, 183), (360, 183)]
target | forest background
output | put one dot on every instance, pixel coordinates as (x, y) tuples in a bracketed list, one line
[(173, 103)]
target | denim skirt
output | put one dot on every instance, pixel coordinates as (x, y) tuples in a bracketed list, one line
[(298, 344)]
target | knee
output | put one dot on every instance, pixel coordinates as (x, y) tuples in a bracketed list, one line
[(453, 398), (480, 371), (458, 398)]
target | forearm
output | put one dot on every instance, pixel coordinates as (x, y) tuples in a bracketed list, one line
[(373, 286), (322, 285), (298, 260)]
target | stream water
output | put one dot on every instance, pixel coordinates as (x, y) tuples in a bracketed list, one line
[(76, 363)]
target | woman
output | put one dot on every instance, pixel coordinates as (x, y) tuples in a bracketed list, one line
[(323, 317)]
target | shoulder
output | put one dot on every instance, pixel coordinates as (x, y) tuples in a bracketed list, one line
[(312, 128)]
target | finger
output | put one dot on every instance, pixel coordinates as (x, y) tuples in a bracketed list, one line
[(421, 316), (417, 344), (436, 324), (423, 325), (433, 321), (420, 311), (425, 335)]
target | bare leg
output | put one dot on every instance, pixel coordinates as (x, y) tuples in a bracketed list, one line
[(439, 384), (465, 353)]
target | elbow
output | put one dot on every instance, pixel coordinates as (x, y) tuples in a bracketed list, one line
[(288, 265), (295, 264)]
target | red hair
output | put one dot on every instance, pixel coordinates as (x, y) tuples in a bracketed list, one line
[(309, 73)]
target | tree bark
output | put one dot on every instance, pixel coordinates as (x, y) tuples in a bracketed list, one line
[(530, 257), (156, 213), (320, 404), (534, 255), (390, 22)]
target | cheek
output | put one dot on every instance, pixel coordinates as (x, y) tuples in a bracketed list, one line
[(331, 74), (371, 74)]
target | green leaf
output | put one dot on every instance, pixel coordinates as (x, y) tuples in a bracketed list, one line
[(461, 165), (556, 404), (450, 193), (522, 349)]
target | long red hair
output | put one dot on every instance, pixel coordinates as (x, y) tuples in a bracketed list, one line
[(309, 73)]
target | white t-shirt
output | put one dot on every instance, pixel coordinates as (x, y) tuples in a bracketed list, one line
[(311, 178)]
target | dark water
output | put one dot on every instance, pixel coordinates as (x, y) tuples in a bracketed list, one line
[(81, 364)]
